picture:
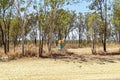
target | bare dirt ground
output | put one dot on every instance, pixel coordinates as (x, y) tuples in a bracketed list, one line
[(63, 67)]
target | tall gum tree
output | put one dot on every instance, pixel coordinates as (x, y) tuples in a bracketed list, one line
[(21, 7), (101, 7), (54, 5)]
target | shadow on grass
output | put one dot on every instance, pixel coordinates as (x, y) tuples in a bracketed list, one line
[(69, 57), (72, 57), (113, 53)]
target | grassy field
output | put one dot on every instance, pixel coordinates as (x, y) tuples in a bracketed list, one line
[(81, 65), (59, 69)]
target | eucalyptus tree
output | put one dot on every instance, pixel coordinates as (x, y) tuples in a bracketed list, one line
[(0, 36), (87, 28), (40, 8), (54, 6), (80, 21), (21, 7), (61, 23), (32, 22), (71, 23), (93, 22), (101, 7), (6, 12)]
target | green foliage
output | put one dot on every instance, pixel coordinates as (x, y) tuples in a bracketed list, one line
[(91, 18), (116, 14), (56, 4), (22, 9), (15, 29), (5, 4), (61, 22)]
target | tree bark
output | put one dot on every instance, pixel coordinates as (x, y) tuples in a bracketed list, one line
[(4, 32), (52, 15), (35, 41), (0, 40), (23, 37), (119, 36), (3, 41), (79, 37), (8, 36), (14, 45), (41, 47), (105, 30), (50, 42), (40, 41)]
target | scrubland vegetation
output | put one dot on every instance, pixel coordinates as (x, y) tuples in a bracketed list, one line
[(30, 31)]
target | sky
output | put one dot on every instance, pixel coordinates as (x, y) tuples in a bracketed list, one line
[(79, 7), (82, 6)]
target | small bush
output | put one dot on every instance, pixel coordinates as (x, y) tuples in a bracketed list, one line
[(30, 53)]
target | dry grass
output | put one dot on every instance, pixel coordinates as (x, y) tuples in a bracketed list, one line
[(98, 50), (111, 48), (75, 67), (49, 69), (31, 50)]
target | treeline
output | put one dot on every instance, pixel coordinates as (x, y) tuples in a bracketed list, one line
[(47, 20)]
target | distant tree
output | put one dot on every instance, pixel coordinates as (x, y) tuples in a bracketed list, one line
[(33, 29), (93, 22), (101, 6), (80, 26)]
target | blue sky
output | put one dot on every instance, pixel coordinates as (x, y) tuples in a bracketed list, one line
[(79, 7), (82, 6)]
